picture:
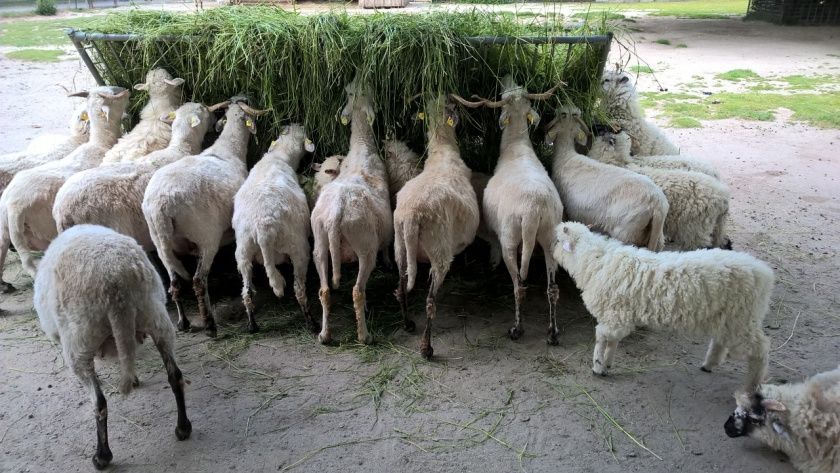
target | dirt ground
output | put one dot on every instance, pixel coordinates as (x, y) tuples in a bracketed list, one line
[(279, 401)]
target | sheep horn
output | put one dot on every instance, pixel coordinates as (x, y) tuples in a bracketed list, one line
[(252, 111), (545, 95), (490, 104), (553, 122), (83, 93), (116, 96), (415, 97), (465, 102), (219, 105), (582, 123)]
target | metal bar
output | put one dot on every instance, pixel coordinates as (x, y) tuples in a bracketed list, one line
[(605, 52), (85, 58)]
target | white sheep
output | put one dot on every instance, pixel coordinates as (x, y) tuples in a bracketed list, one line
[(271, 220), (615, 201), (325, 172), (436, 214), (402, 165), (112, 195), (26, 205), (188, 206), (150, 134), (97, 292), (521, 204), (802, 420), (622, 105), (718, 293), (698, 203), (352, 218)]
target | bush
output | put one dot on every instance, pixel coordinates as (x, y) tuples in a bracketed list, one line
[(45, 7)]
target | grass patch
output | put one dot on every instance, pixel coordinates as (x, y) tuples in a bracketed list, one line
[(800, 82), (600, 14), (30, 33), (35, 55), (738, 74), (681, 46), (694, 9), (641, 69), (685, 122), (666, 42)]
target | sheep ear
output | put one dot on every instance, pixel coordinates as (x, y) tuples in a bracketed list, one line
[(452, 119), (308, 145), (141, 86), (550, 136), (773, 405), (316, 166), (174, 82), (83, 93), (504, 119), (251, 124), (567, 246), (195, 121), (624, 79), (533, 117), (168, 117), (105, 111), (220, 124)]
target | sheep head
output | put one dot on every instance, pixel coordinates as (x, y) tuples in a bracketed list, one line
[(159, 82), (327, 171), (102, 101), (516, 102), (611, 147), (567, 120), (293, 137), (80, 121), (190, 119), (755, 413), (238, 109), (617, 87), (359, 97)]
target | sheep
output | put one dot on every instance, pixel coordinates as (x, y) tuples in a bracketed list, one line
[(150, 133), (479, 181), (96, 291), (521, 204), (698, 203), (112, 195), (11, 164), (325, 173), (188, 205), (26, 205), (436, 215), (271, 220), (618, 202), (352, 218), (724, 294), (802, 420), (402, 165), (622, 106)]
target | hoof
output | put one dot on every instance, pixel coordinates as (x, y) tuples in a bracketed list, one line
[(705, 370), (253, 328), (102, 462), (427, 352), (409, 326), (210, 332), (367, 340), (7, 288), (183, 432), (136, 382), (602, 374), (324, 338), (184, 325), (552, 340), (313, 327), (515, 332)]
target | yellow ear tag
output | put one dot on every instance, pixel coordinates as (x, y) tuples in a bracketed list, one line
[(249, 123), (84, 117), (271, 146), (581, 137), (344, 120), (506, 121), (194, 121), (530, 118), (421, 116), (170, 115), (307, 142), (450, 121)]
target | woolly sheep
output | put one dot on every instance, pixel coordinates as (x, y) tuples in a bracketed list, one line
[(150, 134), (112, 196), (723, 294), (615, 201), (402, 165), (96, 291), (622, 105), (802, 420), (352, 218), (521, 204), (271, 220), (26, 205), (698, 203), (325, 172), (436, 215), (188, 206)]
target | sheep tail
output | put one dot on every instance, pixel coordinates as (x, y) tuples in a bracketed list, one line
[(334, 239), (17, 231), (530, 227), (162, 231), (656, 239), (410, 237), (275, 279), (122, 329)]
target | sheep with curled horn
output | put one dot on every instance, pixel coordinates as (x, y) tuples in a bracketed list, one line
[(188, 205), (521, 204)]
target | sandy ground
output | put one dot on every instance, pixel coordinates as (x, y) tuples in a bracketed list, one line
[(281, 402)]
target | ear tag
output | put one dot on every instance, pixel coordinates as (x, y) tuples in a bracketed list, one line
[(249, 123), (307, 142), (344, 120), (530, 118), (194, 121), (271, 146), (506, 121), (84, 116), (450, 121), (170, 115), (567, 247), (421, 116), (581, 137)]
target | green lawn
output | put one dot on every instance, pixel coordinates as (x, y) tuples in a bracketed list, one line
[(689, 9), (27, 33), (36, 55)]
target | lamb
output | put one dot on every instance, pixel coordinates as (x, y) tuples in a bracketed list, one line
[(402, 165), (11, 164), (436, 215), (188, 205), (271, 220), (325, 173), (150, 134), (723, 294), (112, 195), (618, 202), (622, 105), (352, 217), (698, 203), (521, 204), (96, 291), (802, 420), (26, 205)]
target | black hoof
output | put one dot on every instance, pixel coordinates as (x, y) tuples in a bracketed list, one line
[(183, 432), (515, 332), (136, 382), (102, 462), (409, 326), (210, 332), (7, 288), (313, 327), (727, 245), (252, 328), (552, 340), (601, 375), (427, 352), (705, 370), (184, 325)]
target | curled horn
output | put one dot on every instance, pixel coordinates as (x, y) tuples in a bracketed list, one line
[(219, 105), (415, 97), (83, 93), (118, 95), (466, 102), (545, 95), (251, 111), (490, 104), (553, 122)]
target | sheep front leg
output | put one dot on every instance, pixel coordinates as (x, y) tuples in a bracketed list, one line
[(714, 356), (183, 427), (606, 344), (366, 264)]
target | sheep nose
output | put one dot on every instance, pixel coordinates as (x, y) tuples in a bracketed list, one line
[(734, 428)]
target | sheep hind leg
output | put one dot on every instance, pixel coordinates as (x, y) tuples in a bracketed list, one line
[(183, 427), (82, 367), (552, 292), (202, 294), (321, 257), (509, 256), (437, 276), (248, 301), (299, 267), (366, 264), (5, 242), (714, 356), (400, 293), (175, 294)]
